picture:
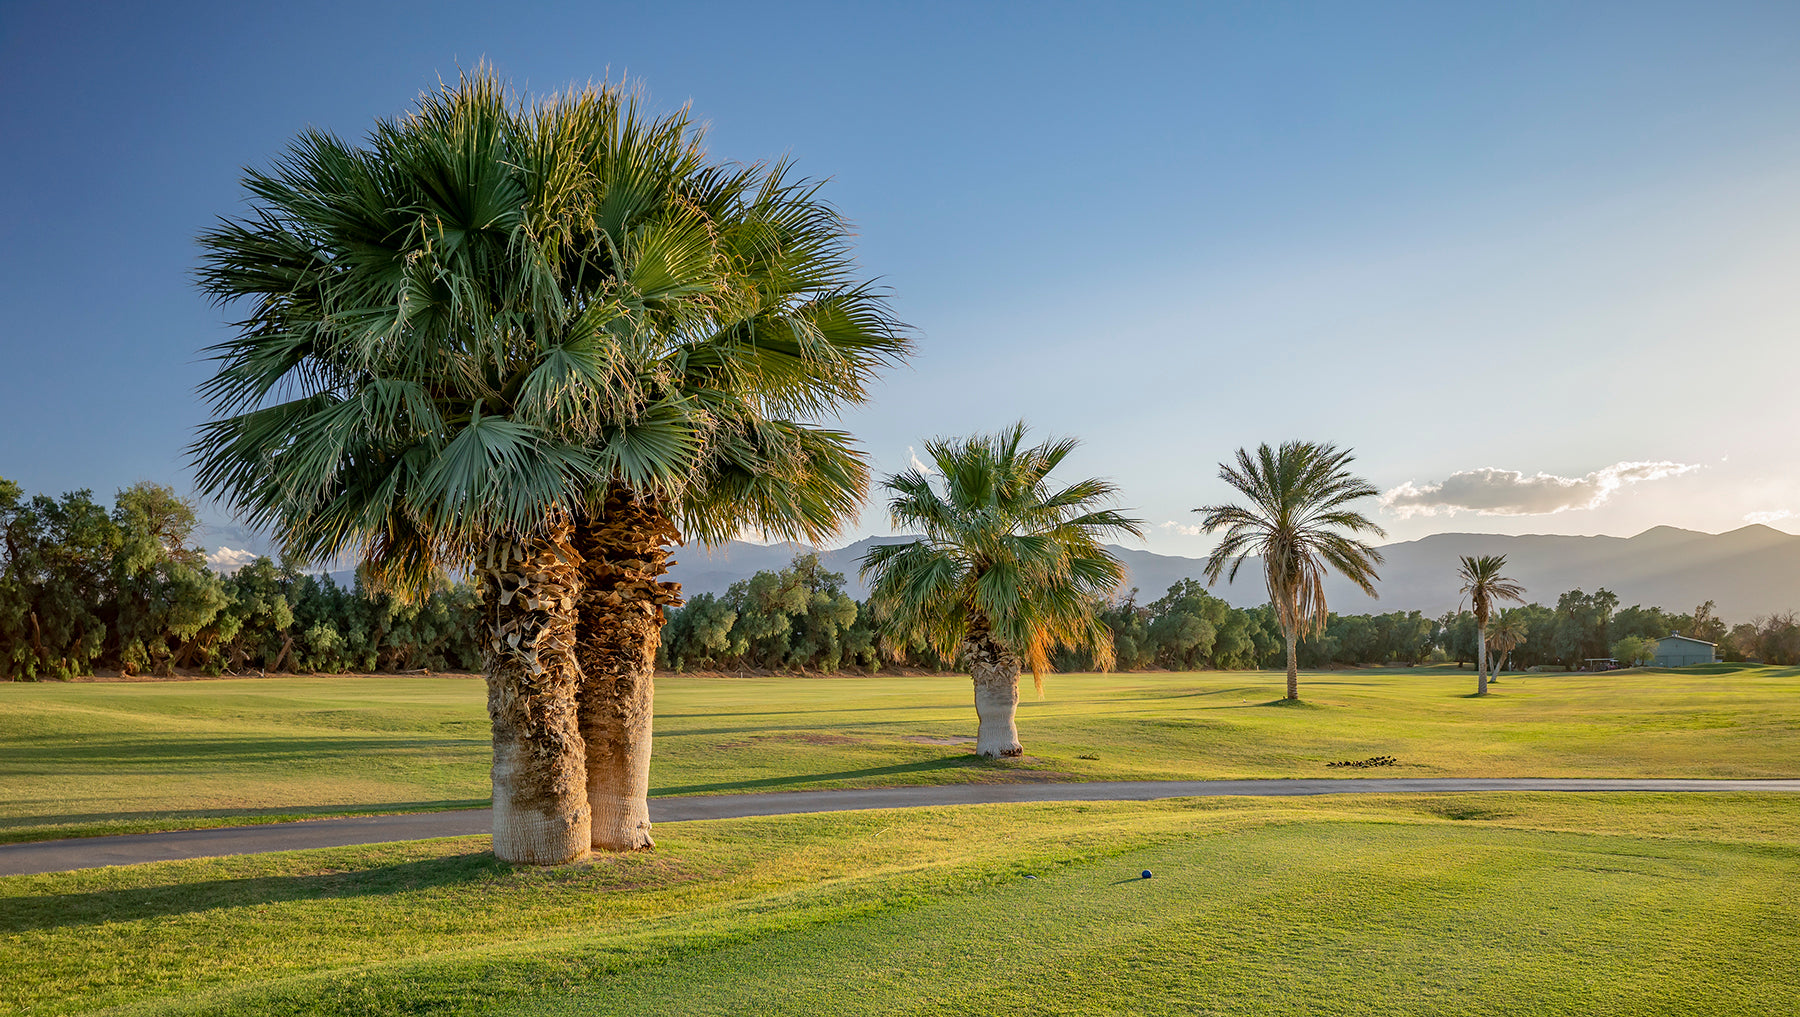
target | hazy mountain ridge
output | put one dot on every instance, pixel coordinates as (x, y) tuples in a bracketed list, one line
[(1748, 571)]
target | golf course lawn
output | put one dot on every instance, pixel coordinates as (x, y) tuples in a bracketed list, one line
[(87, 758), (1362, 904)]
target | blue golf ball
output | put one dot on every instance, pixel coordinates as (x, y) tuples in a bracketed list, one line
[(1146, 873)]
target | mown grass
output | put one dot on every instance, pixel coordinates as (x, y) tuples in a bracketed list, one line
[(1453, 904), (81, 759)]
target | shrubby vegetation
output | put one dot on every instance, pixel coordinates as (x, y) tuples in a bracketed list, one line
[(82, 588), (85, 588)]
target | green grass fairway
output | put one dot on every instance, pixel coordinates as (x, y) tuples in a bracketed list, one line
[(93, 758), (1403, 905)]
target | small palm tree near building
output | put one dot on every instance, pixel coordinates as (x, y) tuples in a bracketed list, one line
[(1007, 569), (1485, 586), (1299, 523)]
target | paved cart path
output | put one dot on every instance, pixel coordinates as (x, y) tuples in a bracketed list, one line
[(129, 849)]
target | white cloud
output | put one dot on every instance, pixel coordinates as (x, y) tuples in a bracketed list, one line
[(227, 560), (1494, 492), (1768, 517), (912, 457), (1182, 528)]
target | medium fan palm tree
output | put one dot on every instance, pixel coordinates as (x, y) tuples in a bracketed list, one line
[(530, 340), (1007, 569), (1299, 497), (1485, 586), (1508, 630)]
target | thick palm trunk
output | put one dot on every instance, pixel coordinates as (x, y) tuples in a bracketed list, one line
[(1481, 681), (1293, 648), (621, 623), (529, 592), (995, 670)]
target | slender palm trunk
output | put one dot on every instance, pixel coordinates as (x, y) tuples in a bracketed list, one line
[(1293, 648), (995, 670), (621, 624), (529, 591), (1481, 679)]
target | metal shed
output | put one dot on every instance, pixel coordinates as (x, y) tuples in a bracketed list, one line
[(1678, 651)]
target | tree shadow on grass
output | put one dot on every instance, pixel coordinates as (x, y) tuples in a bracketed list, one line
[(1293, 704), (795, 782), (60, 826), (97, 907), (134, 753)]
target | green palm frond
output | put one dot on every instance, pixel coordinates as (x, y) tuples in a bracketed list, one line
[(1484, 584), (1297, 498), (494, 309), (1001, 548)]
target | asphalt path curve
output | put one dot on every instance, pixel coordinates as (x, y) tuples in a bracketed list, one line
[(130, 849)]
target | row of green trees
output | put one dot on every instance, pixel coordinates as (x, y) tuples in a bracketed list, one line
[(1585, 626), (84, 588)]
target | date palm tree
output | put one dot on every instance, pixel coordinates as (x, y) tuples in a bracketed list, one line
[(1299, 497), (1485, 586), (529, 340), (1007, 569), (1508, 630)]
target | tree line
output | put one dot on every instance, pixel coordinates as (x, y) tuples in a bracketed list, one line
[(83, 587)]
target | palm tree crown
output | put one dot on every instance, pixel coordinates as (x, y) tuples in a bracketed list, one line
[(478, 321), (1299, 523), (1485, 586), (1003, 556)]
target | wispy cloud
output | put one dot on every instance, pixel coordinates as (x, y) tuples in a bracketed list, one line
[(1768, 517), (228, 560), (921, 465), (1182, 528), (1494, 492)]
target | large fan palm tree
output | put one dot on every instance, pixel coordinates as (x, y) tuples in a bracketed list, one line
[(1485, 586), (530, 340), (1007, 569), (1299, 502)]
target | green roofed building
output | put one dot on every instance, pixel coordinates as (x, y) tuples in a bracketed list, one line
[(1677, 651)]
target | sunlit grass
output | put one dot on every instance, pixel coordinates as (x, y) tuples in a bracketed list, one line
[(91, 758), (1491, 903)]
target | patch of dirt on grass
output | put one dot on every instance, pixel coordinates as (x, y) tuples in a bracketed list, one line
[(928, 740)]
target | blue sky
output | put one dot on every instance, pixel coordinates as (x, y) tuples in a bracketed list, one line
[(1504, 251)]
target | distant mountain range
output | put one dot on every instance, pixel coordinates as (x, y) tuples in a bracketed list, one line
[(1749, 571)]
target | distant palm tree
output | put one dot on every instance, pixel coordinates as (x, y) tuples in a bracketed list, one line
[(1508, 630), (1485, 586), (1299, 497), (531, 340), (1007, 569)]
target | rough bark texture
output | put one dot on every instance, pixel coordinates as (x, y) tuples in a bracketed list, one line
[(1481, 676), (624, 553), (996, 673), (1293, 689), (528, 593)]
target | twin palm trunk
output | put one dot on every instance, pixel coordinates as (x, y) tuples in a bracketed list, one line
[(573, 623), (621, 624), (995, 670)]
